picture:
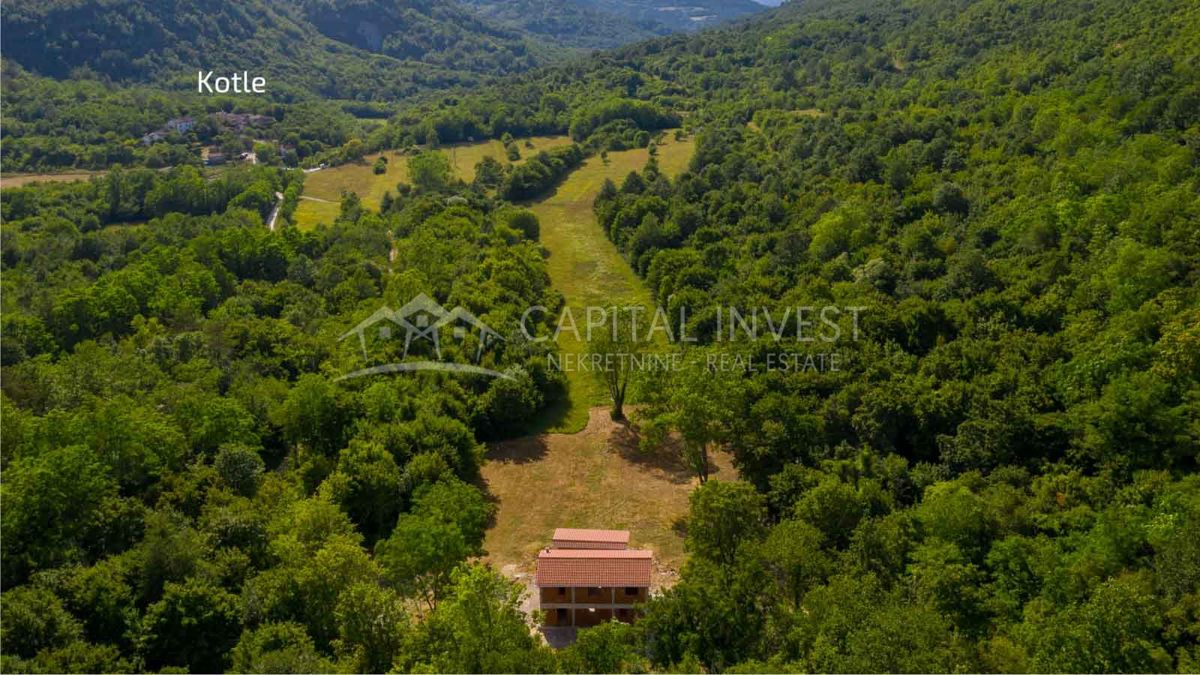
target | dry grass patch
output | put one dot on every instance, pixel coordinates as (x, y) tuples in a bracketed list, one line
[(323, 189), (13, 180), (597, 478)]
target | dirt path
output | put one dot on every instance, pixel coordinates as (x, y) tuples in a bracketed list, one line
[(585, 266), (275, 211)]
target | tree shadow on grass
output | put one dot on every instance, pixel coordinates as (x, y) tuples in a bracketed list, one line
[(680, 526), (518, 450), (552, 416), (666, 459)]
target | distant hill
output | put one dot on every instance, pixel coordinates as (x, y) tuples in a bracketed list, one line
[(440, 32), (569, 22), (610, 23), (365, 49), (677, 16), (358, 49)]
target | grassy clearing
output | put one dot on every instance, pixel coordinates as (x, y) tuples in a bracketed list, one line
[(592, 474), (583, 264), (13, 180), (464, 156), (595, 478), (586, 267), (323, 189), (328, 184)]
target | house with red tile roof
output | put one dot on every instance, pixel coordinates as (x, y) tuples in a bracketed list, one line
[(588, 577)]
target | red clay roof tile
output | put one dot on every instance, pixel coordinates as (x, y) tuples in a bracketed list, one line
[(597, 536), (587, 567)]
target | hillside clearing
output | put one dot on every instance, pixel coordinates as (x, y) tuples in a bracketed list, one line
[(597, 478), (585, 266), (358, 177), (325, 187), (464, 156)]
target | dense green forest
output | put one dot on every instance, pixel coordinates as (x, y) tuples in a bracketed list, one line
[(1001, 477), (174, 446)]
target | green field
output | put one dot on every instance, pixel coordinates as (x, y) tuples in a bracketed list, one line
[(585, 266), (328, 185), (323, 189), (464, 156)]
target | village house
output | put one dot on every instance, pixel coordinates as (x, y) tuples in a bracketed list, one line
[(240, 121), (180, 124), (154, 137), (587, 577)]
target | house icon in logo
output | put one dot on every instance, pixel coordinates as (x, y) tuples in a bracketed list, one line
[(422, 318), (462, 321)]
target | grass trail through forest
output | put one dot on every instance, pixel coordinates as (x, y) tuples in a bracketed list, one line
[(586, 267), (583, 264)]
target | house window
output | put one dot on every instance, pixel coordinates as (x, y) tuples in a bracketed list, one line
[(562, 591), (631, 590), (562, 615)]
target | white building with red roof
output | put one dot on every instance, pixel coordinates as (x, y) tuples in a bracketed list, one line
[(590, 576)]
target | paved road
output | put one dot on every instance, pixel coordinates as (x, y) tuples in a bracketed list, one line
[(275, 211)]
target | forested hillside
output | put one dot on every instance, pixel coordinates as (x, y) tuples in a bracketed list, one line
[(178, 463), (354, 50), (1004, 476), (1001, 476), (688, 16), (87, 81), (569, 22)]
